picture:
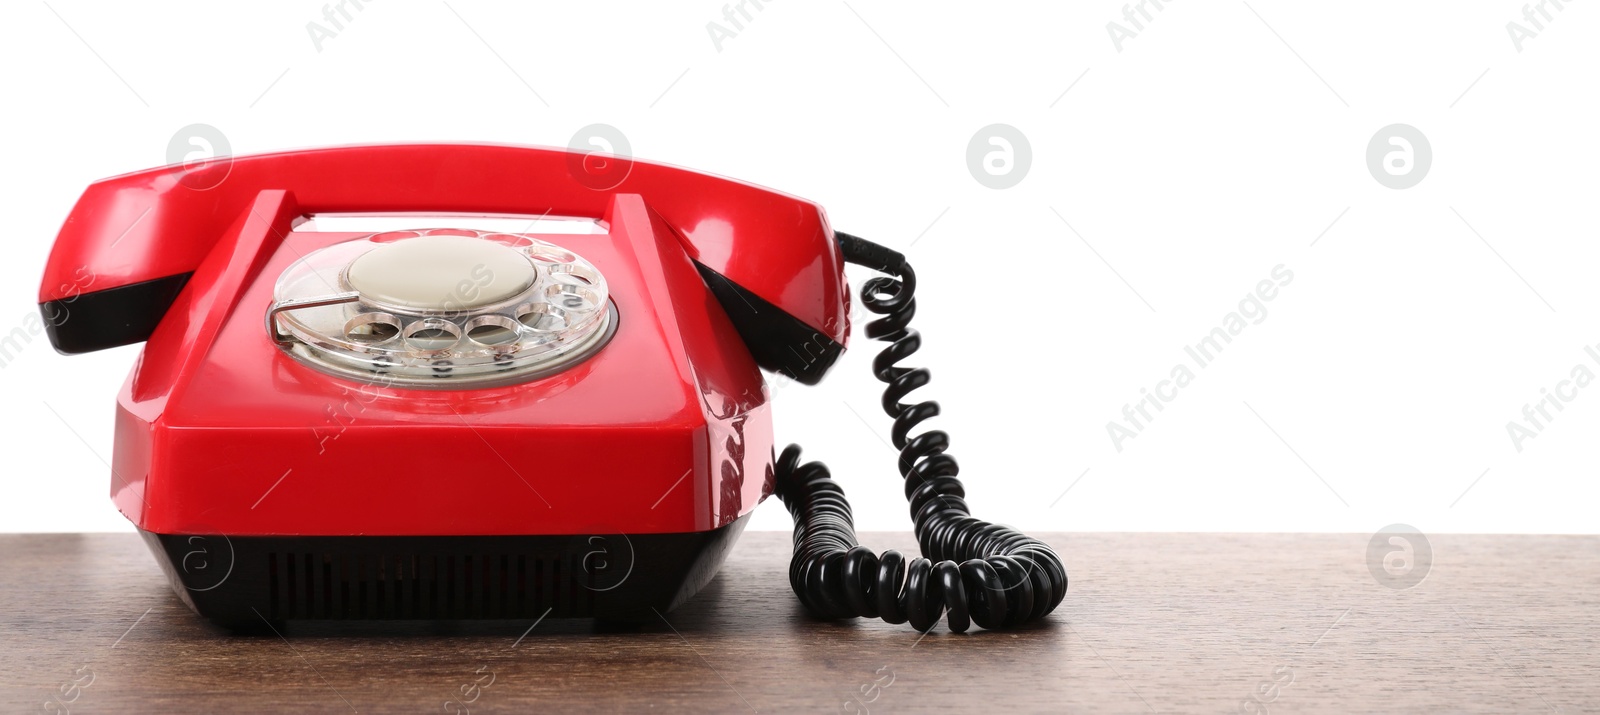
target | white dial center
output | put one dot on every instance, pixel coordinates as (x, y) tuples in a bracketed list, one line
[(451, 273)]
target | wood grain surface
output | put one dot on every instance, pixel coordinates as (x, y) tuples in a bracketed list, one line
[(1152, 623)]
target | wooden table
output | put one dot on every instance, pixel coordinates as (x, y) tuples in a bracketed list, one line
[(1152, 623)]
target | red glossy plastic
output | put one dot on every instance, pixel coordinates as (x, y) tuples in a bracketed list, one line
[(165, 221), (666, 429)]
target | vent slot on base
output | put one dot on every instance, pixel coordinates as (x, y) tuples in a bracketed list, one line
[(422, 586)]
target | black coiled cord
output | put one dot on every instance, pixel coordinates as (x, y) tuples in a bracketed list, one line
[(975, 571)]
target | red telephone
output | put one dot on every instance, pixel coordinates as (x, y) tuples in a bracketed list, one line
[(453, 423)]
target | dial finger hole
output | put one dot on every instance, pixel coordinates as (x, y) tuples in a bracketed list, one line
[(550, 254), (574, 274), (542, 317), (509, 239), (492, 330), (372, 328), (392, 236), (432, 335), (572, 298)]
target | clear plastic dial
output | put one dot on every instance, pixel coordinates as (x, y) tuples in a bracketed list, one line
[(441, 308)]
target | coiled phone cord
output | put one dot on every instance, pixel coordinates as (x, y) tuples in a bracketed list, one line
[(972, 570)]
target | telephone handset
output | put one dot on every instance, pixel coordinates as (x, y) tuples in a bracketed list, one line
[(453, 423)]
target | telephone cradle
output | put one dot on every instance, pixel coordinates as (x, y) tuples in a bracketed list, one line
[(449, 423)]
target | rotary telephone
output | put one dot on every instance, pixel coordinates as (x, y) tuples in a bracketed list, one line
[(451, 423)]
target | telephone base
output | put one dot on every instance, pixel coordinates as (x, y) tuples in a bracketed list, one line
[(244, 581)]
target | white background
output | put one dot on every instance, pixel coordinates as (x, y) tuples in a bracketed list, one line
[(1190, 163)]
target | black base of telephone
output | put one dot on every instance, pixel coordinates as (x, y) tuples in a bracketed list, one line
[(243, 582)]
